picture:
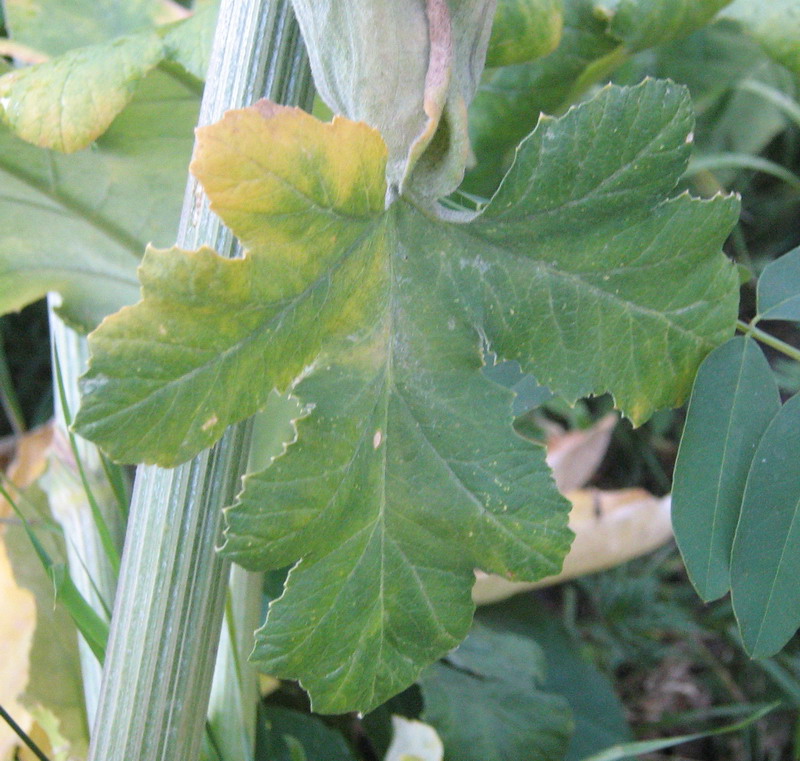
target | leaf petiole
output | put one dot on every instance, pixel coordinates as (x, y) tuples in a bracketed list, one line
[(749, 329)]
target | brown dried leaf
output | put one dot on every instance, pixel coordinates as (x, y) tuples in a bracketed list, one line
[(575, 456), (29, 462), (17, 624)]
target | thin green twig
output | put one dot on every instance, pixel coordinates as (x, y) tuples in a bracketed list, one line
[(749, 329)]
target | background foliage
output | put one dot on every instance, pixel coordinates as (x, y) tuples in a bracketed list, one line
[(536, 670)]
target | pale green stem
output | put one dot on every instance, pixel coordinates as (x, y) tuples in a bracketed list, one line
[(234, 693), (91, 568), (172, 587), (768, 340), (233, 705)]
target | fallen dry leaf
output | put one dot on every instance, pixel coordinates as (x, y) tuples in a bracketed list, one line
[(611, 527), (574, 456), (29, 461), (17, 604), (18, 613), (17, 624)]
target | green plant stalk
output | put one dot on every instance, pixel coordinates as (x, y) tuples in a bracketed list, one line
[(768, 340), (234, 693), (72, 472), (173, 585), (233, 703)]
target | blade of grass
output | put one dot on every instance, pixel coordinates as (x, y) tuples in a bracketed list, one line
[(93, 629), (780, 100), (781, 677), (115, 475), (633, 749), (715, 161), (107, 541), (87, 559)]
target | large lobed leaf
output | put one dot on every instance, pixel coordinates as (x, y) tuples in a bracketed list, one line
[(43, 24), (78, 224), (598, 36), (407, 474), (486, 703), (66, 103)]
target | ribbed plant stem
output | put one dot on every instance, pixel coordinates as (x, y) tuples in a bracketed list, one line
[(172, 586)]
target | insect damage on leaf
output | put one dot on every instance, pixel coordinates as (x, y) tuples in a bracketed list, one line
[(407, 474)]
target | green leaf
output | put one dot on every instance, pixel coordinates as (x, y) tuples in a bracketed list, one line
[(715, 62), (778, 290), (765, 563), (710, 62), (642, 24), (78, 224), (188, 42), (407, 473), (597, 711), (55, 676), (734, 399), (776, 26), (637, 749), (67, 103), (484, 701), (281, 730), (524, 30), (509, 100), (597, 39), (528, 394), (55, 26)]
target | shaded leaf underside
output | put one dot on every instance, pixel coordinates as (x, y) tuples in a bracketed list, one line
[(407, 474), (78, 224)]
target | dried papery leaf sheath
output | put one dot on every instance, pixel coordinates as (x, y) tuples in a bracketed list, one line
[(407, 473)]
